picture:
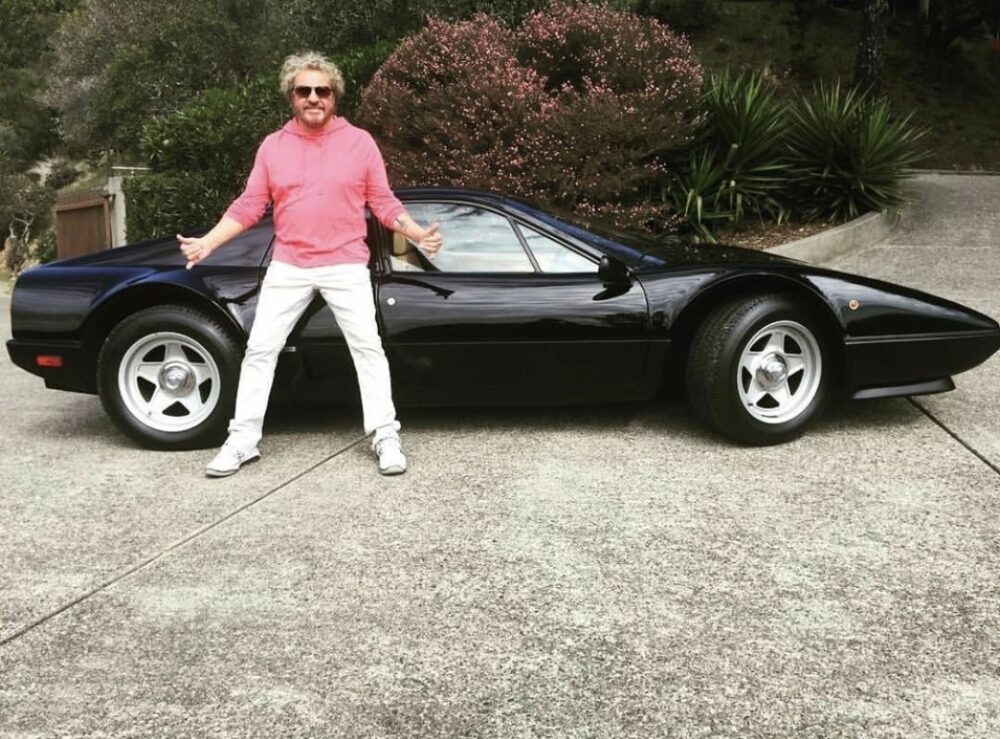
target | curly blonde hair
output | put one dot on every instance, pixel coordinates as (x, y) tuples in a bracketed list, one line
[(310, 60)]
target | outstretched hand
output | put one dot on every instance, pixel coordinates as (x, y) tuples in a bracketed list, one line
[(195, 249)]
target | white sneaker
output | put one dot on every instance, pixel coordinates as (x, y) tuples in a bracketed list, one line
[(229, 460), (391, 460)]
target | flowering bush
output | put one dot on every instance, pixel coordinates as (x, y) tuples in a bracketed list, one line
[(576, 107), (451, 103)]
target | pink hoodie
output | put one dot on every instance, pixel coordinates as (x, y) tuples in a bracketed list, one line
[(319, 182)]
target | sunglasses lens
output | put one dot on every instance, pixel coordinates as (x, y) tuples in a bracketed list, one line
[(304, 91)]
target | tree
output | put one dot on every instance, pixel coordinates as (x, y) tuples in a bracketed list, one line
[(28, 127), (118, 64), (868, 63), (25, 206)]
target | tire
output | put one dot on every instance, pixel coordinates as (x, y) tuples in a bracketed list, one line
[(759, 370), (167, 377)]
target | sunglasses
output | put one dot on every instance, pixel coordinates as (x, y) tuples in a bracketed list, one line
[(304, 91)]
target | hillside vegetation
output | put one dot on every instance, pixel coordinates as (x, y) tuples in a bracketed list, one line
[(953, 93)]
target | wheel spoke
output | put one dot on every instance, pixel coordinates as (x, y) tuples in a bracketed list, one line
[(174, 352), (160, 402), (755, 392), (191, 402), (202, 372), (794, 364), (781, 395), (149, 371), (776, 343)]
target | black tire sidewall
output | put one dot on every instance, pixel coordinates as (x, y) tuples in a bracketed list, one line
[(207, 331)]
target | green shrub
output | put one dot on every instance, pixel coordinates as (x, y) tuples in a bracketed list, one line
[(695, 191), (217, 133), (358, 66), (847, 154), (738, 165), (163, 204), (46, 250)]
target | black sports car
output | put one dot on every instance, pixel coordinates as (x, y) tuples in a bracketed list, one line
[(520, 306)]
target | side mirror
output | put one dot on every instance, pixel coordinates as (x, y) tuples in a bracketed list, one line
[(613, 273)]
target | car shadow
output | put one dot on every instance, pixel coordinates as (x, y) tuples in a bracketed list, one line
[(673, 416), (667, 416)]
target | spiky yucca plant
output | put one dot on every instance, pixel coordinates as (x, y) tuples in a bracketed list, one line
[(745, 128), (737, 167), (847, 154), (695, 190)]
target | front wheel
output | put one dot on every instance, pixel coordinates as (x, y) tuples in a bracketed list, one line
[(758, 369), (167, 377)]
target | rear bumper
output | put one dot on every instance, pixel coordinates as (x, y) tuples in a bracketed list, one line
[(74, 375)]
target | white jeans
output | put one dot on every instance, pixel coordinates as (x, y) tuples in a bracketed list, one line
[(284, 296)]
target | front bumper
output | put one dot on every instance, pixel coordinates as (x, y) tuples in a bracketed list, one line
[(916, 364)]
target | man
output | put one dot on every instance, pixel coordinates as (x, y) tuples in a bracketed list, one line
[(319, 171)]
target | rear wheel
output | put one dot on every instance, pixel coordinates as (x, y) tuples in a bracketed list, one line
[(758, 369), (167, 377)]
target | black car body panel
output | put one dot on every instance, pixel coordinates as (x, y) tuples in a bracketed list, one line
[(482, 338)]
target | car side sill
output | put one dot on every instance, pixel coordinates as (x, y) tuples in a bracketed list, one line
[(919, 388)]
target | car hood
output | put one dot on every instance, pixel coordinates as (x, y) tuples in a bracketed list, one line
[(669, 254)]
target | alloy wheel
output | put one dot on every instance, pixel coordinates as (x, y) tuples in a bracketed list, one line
[(169, 381)]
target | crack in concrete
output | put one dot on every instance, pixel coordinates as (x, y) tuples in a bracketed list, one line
[(955, 436), (4, 641)]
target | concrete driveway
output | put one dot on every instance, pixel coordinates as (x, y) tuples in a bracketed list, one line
[(596, 572)]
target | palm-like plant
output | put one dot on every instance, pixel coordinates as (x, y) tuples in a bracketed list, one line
[(848, 155), (745, 129), (738, 165), (695, 191)]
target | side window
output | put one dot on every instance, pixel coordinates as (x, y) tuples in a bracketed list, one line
[(475, 240), (553, 256)]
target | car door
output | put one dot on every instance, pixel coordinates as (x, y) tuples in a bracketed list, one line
[(505, 313)]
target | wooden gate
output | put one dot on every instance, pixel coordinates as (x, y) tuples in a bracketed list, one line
[(83, 223)]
